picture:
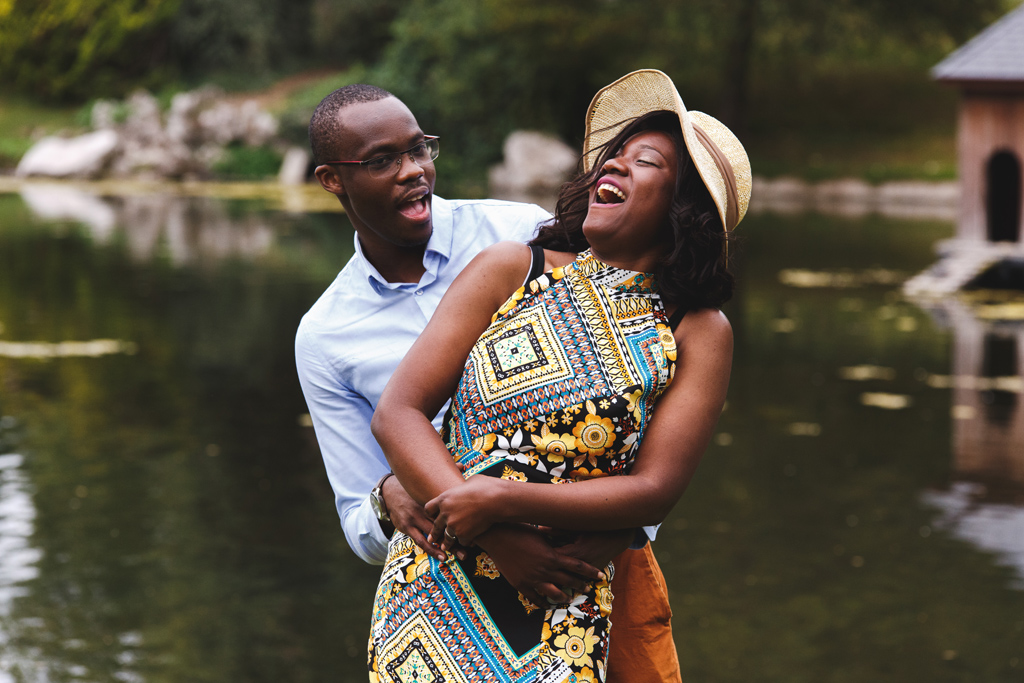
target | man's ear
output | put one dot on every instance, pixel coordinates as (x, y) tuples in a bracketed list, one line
[(329, 179)]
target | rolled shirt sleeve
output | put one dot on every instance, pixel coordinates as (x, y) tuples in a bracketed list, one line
[(353, 460)]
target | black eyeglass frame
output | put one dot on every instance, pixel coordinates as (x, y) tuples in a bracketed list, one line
[(399, 157)]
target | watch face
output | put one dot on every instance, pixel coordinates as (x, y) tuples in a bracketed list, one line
[(378, 509)]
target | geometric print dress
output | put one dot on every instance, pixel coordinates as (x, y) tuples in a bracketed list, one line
[(559, 388)]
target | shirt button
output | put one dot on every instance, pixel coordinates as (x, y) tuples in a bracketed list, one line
[(419, 292)]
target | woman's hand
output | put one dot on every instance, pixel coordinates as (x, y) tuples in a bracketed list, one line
[(464, 512)]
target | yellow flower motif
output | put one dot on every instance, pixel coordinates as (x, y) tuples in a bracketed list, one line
[(419, 567), (512, 475), (530, 425), (605, 405), (554, 446), (529, 607), (586, 675), (582, 474), (545, 632), (604, 600), (633, 403), (593, 435), (485, 566), (552, 420), (668, 341), (576, 645), (516, 297), (485, 443)]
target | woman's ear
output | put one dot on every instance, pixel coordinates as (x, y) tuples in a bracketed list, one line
[(329, 179)]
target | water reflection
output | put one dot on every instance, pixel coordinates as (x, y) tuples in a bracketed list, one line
[(176, 523), (995, 527), (18, 557), (187, 228), (984, 502)]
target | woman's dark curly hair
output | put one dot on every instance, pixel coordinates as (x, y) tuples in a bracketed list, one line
[(694, 273)]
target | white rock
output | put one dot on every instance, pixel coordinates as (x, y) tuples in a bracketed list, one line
[(144, 123), (293, 167), (82, 156), (103, 115), (533, 162)]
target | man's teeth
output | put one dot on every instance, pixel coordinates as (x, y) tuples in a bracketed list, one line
[(609, 194)]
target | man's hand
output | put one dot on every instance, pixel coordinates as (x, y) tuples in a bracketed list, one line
[(408, 517), (463, 512), (598, 548), (534, 567)]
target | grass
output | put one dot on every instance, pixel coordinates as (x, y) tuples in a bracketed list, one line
[(875, 125), (22, 122)]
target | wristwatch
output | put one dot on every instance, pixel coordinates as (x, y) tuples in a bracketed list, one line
[(380, 508)]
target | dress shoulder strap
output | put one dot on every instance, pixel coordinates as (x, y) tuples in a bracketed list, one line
[(676, 318), (537, 263)]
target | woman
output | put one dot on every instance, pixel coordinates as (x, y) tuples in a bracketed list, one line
[(559, 387)]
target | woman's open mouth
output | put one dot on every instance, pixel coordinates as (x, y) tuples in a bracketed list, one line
[(609, 194)]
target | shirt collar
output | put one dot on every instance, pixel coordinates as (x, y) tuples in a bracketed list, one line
[(436, 254)]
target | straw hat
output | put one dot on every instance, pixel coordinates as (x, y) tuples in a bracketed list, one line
[(718, 154)]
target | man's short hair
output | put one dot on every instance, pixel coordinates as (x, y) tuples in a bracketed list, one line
[(323, 125)]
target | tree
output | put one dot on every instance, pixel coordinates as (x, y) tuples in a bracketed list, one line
[(75, 49)]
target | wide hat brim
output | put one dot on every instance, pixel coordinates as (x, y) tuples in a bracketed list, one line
[(716, 152)]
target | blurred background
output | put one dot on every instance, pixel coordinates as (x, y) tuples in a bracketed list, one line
[(164, 513)]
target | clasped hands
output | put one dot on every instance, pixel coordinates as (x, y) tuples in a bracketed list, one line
[(542, 564)]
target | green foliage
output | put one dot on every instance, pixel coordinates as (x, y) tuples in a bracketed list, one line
[(249, 162), (239, 38), (72, 49), (473, 71)]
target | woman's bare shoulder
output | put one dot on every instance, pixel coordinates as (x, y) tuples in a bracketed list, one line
[(502, 262), (704, 326), (557, 259)]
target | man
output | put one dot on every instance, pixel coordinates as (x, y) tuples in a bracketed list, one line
[(371, 153)]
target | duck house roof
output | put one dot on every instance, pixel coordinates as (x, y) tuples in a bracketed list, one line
[(995, 54)]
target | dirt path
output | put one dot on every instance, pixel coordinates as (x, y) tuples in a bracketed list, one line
[(276, 94)]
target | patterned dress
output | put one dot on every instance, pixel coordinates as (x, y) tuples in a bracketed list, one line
[(559, 388)]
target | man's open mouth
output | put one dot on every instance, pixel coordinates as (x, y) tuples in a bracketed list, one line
[(417, 208)]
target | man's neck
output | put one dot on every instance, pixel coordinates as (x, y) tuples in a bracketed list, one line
[(394, 263)]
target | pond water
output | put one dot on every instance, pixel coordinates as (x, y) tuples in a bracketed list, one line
[(164, 514)]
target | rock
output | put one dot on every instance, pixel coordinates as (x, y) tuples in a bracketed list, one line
[(293, 167), (198, 126), (143, 122), (104, 115), (534, 168), (183, 116), (84, 156)]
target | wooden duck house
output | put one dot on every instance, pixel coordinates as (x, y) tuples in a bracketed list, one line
[(989, 71), (988, 250)]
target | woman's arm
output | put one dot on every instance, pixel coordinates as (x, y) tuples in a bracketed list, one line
[(675, 440), (430, 371), (426, 378)]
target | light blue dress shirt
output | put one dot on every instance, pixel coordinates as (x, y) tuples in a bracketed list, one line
[(352, 339)]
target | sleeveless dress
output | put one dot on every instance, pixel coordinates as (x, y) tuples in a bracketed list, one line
[(559, 388)]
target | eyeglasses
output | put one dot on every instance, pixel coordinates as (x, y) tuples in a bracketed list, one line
[(387, 165)]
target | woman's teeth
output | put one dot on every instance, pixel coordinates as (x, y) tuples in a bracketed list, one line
[(609, 194)]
